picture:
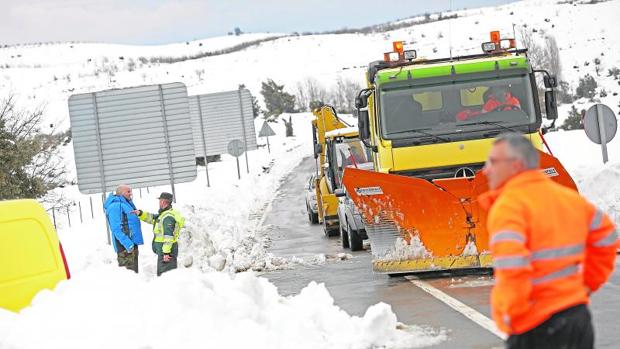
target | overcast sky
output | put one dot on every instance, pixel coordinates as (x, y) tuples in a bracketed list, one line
[(166, 21)]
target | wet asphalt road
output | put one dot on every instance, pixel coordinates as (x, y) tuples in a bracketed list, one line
[(355, 287)]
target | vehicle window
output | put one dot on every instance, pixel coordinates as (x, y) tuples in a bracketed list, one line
[(443, 109)]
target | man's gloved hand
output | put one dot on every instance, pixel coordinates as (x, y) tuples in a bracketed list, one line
[(167, 257)]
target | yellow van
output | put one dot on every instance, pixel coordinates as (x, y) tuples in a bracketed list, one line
[(31, 256)]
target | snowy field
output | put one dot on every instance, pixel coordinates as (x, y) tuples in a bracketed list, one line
[(216, 299)]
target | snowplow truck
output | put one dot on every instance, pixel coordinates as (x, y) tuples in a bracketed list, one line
[(429, 125), (326, 126)]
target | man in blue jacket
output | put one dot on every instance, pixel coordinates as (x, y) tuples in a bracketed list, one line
[(125, 227)]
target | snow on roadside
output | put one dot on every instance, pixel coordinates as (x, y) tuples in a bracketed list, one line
[(195, 305), (221, 230), (112, 308), (583, 161)]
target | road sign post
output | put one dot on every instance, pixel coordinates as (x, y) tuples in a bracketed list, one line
[(204, 141), (245, 137), (600, 126)]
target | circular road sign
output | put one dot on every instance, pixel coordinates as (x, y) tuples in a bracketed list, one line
[(236, 148), (591, 123)]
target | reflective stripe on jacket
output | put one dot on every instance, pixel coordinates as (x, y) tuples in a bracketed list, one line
[(550, 248), (166, 227)]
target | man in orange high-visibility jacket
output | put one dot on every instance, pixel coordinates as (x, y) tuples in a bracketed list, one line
[(551, 248)]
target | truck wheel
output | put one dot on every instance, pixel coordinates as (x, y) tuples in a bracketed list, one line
[(344, 236), (329, 231), (355, 241), (312, 217)]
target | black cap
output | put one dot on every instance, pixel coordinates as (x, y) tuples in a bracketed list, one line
[(166, 196)]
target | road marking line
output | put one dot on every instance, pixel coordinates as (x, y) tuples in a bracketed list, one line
[(457, 305)]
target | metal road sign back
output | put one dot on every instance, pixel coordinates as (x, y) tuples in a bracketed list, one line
[(219, 117), (600, 125), (140, 136), (608, 123), (236, 148)]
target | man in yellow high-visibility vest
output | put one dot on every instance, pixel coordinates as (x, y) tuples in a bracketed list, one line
[(167, 224)]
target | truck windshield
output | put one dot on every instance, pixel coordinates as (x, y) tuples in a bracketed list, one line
[(460, 107)]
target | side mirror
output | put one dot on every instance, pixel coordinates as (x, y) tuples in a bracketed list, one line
[(318, 149), (551, 105), (363, 124), (339, 193), (361, 101), (550, 81)]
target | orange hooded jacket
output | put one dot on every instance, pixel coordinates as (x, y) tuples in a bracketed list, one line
[(491, 104), (550, 249)]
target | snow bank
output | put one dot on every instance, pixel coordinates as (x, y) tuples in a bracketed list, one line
[(114, 308), (223, 230), (583, 159)]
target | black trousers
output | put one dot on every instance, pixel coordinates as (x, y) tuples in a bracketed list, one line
[(568, 329)]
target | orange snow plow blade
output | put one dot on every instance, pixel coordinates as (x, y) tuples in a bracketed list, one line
[(417, 225)]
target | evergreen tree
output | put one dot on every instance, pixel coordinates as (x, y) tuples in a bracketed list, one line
[(276, 100), (574, 120), (29, 162), (255, 107), (587, 87)]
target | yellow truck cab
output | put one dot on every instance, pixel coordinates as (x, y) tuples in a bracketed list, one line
[(31, 256), (430, 124)]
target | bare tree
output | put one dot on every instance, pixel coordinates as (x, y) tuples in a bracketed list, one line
[(542, 56), (343, 97), (312, 91), (545, 55), (301, 98), (553, 63)]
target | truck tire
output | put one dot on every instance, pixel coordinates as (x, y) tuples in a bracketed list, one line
[(355, 241), (344, 237), (329, 231), (312, 217)]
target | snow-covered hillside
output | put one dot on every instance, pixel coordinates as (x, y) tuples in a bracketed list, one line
[(50, 73)]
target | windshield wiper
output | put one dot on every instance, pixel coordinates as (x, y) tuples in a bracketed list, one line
[(420, 131), (494, 123)]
